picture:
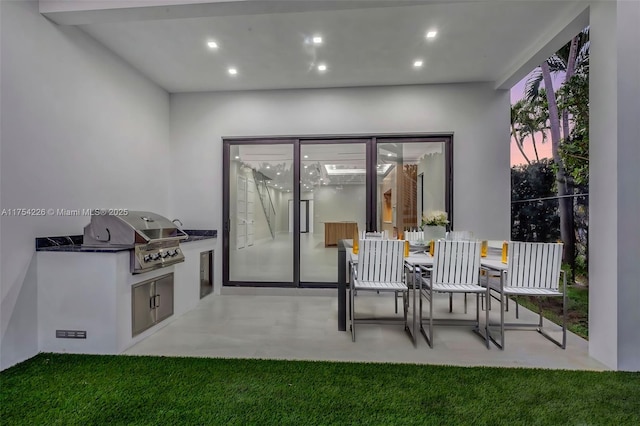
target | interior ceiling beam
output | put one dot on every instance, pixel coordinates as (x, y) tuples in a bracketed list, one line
[(81, 12)]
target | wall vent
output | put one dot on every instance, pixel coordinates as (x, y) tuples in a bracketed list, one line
[(71, 334)]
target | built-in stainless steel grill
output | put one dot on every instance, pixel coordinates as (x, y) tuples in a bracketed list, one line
[(153, 239)]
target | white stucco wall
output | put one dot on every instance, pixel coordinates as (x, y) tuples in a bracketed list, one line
[(476, 113), (80, 129), (339, 204), (614, 229), (628, 178)]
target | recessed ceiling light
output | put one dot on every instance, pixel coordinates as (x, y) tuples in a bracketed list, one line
[(233, 71), (306, 156), (306, 167), (317, 40), (268, 167), (322, 67), (417, 63), (432, 34), (278, 173), (237, 157), (212, 44)]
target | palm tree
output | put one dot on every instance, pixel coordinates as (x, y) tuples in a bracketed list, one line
[(516, 128), (573, 56), (538, 115), (528, 118)]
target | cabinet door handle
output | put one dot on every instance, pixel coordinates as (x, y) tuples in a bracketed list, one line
[(157, 303), (152, 301)]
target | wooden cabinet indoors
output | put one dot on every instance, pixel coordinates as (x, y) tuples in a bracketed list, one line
[(335, 231)]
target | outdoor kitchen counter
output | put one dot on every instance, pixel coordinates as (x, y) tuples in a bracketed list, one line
[(90, 291), (73, 243)]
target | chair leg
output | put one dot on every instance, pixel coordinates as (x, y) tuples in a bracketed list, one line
[(501, 320), (465, 303), (431, 316), (563, 343), (564, 314), (428, 336), (486, 336), (540, 312), (486, 321), (450, 302), (405, 305), (396, 300), (353, 316)]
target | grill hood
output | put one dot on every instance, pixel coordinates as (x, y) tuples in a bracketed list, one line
[(137, 227)]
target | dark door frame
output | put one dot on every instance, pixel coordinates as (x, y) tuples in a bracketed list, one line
[(371, 142)]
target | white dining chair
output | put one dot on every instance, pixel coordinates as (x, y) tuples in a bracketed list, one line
[(380, 268), (456, 269), (458, 236), (382, 235), (534, 270)]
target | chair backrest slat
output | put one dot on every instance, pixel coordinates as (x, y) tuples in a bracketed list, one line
[(456, 262), (414, 236), (372, 235), (381, 260), (534, 265)]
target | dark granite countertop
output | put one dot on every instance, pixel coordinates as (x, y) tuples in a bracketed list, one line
[(200, 234), (73, 243)]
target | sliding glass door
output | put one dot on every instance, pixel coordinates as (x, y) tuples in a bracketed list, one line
[(411, 181), (260, 181), (333, 183), (289, 201)]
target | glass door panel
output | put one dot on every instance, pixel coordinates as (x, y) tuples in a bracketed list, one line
[(260, 183), (333, 203), (411, 182)]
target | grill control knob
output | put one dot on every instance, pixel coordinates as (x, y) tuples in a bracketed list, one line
[(146, 258), (171, 253), (177, 251), (155, 256), (166, 254)]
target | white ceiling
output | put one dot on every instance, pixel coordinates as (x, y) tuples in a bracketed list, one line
[(476, 41), (365, 43)]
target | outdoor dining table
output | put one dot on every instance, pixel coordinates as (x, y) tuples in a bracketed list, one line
[(415, 260)]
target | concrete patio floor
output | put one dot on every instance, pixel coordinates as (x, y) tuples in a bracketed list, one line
[(301, 324)]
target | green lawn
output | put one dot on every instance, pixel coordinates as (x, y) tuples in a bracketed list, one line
[(83, 389)]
